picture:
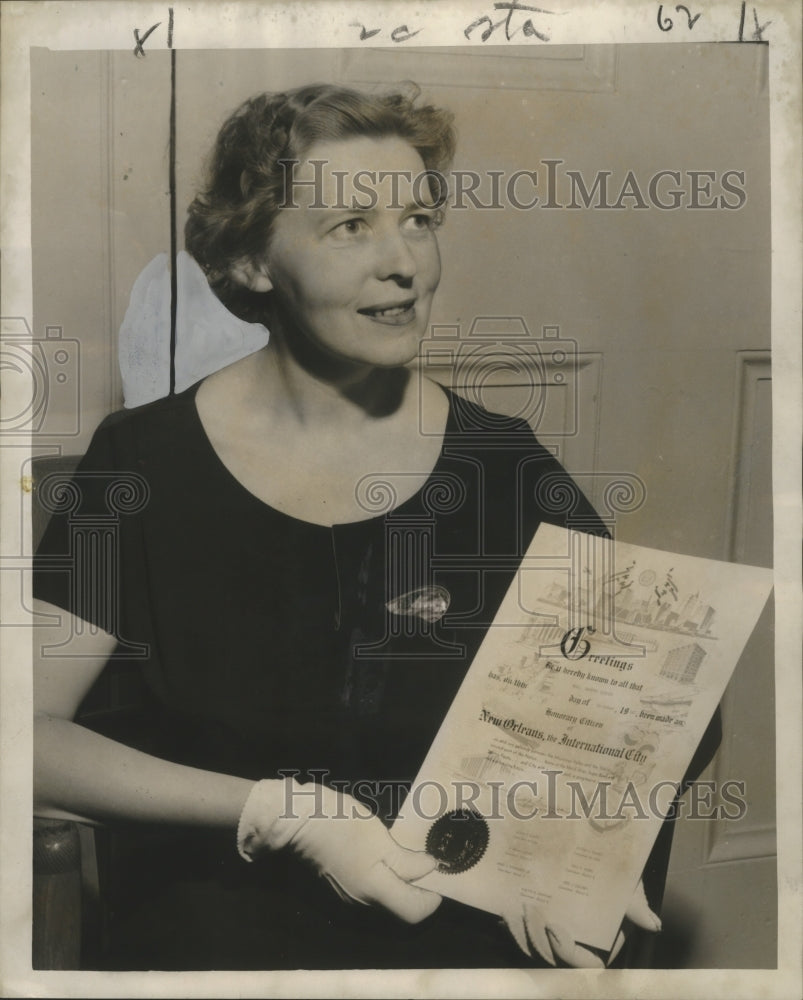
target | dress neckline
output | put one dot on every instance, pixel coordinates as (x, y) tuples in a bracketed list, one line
[(228, 475)]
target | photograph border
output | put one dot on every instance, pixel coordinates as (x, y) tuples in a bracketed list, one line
[(121, 26)]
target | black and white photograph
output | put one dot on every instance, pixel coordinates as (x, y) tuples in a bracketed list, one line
[(400, 543)]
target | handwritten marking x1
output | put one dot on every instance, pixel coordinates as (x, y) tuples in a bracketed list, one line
[(138, 49), (758, 35)]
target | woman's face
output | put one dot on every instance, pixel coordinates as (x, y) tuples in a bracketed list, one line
[(356, 274)]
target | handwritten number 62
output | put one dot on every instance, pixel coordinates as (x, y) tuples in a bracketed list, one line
[(666, 23)]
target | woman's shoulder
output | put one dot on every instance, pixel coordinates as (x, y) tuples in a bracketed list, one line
[(507, 445), (154, 410), (126, 435), (471, 418), (154, 415)]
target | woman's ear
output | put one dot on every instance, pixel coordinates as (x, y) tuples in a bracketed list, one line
[(251, 274)]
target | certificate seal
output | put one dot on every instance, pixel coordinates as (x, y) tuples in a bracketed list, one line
[(457, 840)]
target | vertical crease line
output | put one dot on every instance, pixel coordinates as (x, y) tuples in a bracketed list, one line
[(173, 235), (339, 612), (108, 175)]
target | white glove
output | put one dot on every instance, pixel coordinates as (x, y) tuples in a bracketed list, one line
[(554, 943), (340, 836)]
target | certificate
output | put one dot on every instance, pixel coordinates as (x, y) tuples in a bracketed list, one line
[(563, 750)]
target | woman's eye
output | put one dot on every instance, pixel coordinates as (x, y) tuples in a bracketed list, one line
[(423, 222), (349, 228)]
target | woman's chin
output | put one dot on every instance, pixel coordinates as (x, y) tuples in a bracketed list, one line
[(391, 348), (398, 358)]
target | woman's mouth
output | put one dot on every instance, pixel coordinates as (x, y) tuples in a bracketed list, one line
[(391, 313)]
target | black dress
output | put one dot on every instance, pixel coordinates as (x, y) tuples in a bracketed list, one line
[(269, 644)]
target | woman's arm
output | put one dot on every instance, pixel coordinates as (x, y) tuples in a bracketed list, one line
[(83, 774), (80, 774)]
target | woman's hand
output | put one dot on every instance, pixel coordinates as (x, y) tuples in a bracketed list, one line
[(340, 836), (555, 944)]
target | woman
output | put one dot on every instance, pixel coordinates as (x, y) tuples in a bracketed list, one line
[(291, 624)]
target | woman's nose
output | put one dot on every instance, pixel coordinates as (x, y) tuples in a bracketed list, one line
[(394, 258)]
